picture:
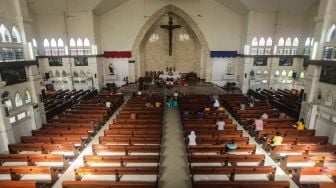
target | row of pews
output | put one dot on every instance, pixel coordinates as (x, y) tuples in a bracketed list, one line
[(128, 155), (209, 162), (56, 102), (308, 158), (40, 159)]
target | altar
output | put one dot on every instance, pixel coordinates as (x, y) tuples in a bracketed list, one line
[(170, 75)]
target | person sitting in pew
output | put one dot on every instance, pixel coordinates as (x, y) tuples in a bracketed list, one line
[(148, 104), (200, 113), (220, 124), (300, 125), (169, 102), (192, 139), (211, 99), (242, 106), (186, 112), (133, 115), (206, 109), (216, 104), (277, 139), (157, 104), (264, 116), (231, 146), (258, 125), (221, 109)]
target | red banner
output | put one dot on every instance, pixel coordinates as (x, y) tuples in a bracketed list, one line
[(117, 54)]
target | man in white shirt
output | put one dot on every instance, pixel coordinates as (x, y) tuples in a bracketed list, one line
[(216, 104), (108, 104), (220, 124), (192, 139), (264, 116)]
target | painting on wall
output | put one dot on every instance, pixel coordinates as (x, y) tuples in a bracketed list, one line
[(286, 61), (55, 61), (260, 61), (81, 61), (328, 74), (13, 75)]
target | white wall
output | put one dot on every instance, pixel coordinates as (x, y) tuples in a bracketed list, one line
[(220, 25)]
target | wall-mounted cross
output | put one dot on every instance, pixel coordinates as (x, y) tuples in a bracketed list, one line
[(170, 28)]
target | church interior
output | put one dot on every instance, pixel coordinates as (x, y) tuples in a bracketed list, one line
[(167, 93)]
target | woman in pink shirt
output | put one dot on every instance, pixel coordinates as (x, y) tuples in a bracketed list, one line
[(258, 125)]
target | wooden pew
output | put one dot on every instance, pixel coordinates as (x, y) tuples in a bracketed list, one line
[(327, 185), (132, 132), (43, 148), (220, 149), (224, 140), (233, 170), (117, 171), (315, 160), (303, 149), (32, 159), (328, 171), (127, 149), (108, 184), (242, 184), (225, 159), (122, 160), (109, 140), (16, 172), (69, 139), (18, 184)]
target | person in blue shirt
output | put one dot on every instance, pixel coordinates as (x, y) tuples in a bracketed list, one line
[(231, 146)]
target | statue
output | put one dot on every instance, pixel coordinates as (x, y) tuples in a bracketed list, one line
[(111, 69)]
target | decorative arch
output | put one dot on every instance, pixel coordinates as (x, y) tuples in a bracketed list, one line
[(28, 98), (16, 37), (331, 33), (18, 100), (189, 21)]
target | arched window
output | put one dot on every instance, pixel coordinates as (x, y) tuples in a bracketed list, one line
[(46, 45), (312, 42), (16, 37), (284, 73), (254, 49), (265, 72), (306, 50), (87, 47), (307, 43), (80, 49), (9, 104), (28, 97), (261, 48), (53, 45), (73, 50), (295, 46), (60, 46), (290, 74), (254, 41), (34, 47), (331, 35), (281, 44), (277, 73), (6, 36), (288, 44), (302, 74), (18, 100), (268, 49)]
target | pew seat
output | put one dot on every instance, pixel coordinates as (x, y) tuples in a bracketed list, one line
[(242, 184), (18, 184), (108, 184)]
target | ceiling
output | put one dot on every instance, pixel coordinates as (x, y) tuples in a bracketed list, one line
[(239, 6)]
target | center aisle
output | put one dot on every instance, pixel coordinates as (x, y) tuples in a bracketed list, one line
[(174, 171)]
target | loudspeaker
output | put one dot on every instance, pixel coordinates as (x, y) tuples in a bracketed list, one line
[(245, 75), (46, 76), (294, 75), (95, 75)]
